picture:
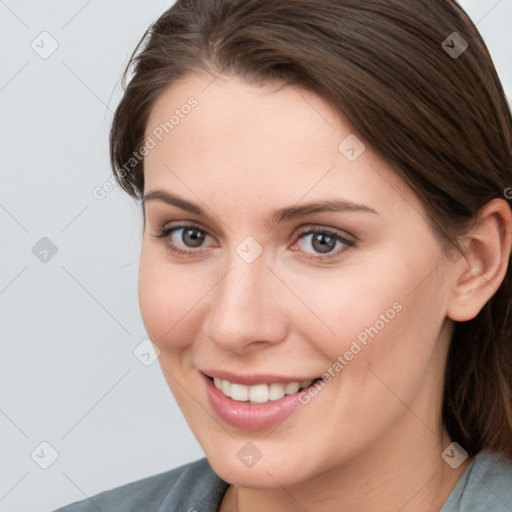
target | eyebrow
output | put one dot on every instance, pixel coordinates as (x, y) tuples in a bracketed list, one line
[(281, 215)]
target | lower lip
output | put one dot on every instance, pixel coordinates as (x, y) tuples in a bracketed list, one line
[(250, 416)]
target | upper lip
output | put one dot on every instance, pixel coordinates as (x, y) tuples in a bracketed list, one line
[(253, 379)]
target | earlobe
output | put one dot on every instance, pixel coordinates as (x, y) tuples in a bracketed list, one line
[(481, 271)]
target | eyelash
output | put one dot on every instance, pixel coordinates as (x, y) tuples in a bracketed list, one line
[(165, 233)]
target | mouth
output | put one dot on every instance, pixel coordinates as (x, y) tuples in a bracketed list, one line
[(260, 393), (258, 402)]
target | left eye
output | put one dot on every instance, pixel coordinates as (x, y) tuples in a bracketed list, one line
[(324, 241)]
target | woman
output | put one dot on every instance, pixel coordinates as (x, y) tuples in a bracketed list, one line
[(325, 260)]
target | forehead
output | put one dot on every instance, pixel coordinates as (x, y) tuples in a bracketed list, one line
[(230, 109), (226, 135)]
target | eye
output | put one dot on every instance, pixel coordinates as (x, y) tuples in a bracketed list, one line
[(192, 237), (324, 241), (188, 235)]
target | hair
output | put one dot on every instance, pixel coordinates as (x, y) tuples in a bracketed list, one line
[(442, 122)]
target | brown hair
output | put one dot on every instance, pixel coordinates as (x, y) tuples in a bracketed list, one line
[(442, 122)]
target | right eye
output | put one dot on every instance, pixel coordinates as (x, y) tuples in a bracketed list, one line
[(188, 235)]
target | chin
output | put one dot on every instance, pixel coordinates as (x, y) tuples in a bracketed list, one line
[(241, 463), (263, 475)]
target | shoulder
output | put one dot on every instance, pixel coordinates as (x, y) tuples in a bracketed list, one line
[(186, 486), (485, 485)]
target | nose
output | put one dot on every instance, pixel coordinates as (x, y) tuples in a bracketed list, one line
[(246, 307)]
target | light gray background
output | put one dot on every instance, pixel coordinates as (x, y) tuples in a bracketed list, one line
[(69, 326)]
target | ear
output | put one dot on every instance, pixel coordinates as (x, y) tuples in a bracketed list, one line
[(481, 271)]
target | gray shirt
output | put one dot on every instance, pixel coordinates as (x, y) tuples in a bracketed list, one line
[(485, 486)]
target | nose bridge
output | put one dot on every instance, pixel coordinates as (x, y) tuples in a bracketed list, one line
[(243, 304)]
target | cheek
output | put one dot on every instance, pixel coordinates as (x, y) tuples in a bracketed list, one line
[(396, 341), (377, 318), (349, 305), (169, 300)]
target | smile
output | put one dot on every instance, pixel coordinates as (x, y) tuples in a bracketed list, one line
[(260, 393), (253, 402)]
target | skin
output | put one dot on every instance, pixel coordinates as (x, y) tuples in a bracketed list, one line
[(372, 439)]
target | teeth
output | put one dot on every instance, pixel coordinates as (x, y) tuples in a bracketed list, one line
[(261, 393), (291, 388), (240, 392), (276, 391), (226, 387)]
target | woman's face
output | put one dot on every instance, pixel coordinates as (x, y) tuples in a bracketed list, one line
[(356, 293)]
